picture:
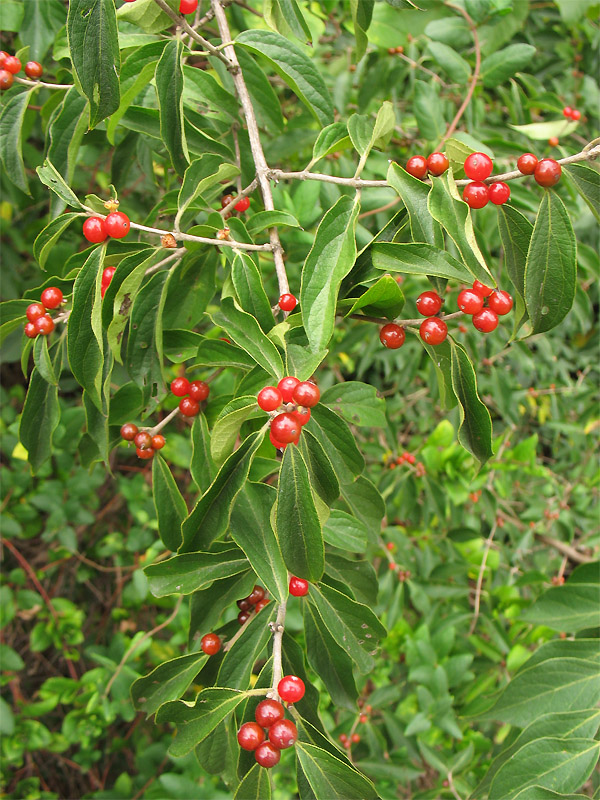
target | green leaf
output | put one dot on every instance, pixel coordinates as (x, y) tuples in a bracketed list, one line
[(515, 232), (328, 262), (501, 65), (587, 183), (246, 332), (227, 426), (475, 431), (428, 110), (94, 48), (39, 420), (48, 237), (250, 291), (559, 764), (41, 22), (42, 360), (330, 777), (201, 86), (551, 268), (169, 91), (207, 605), (366, 134), (194, 723), (251, 529), (297, 522), (320, 469), (210, 516), (338, 442), (202, 468), (217, 353), (144, 343), (328, 660), (357, 402), (362, 13), (455, 66), (145, 14), (255, 785), (383, 298), (201, 174), (66, 128), (188, 572), (355, 575), (170, 506), (572, 607), (570, 684), (365, 502), (454, 215), (331, 138), (301, 362), (269, 219), (542, 131), (50, 177), (236, 667), (85, 347), (353, 625), (286, 16), (12, 316), (418, 259), (11, 16), (441, 356), (296, 69), (346, 532), (11, 129), (414, 194), (265, 101), (166, 683)]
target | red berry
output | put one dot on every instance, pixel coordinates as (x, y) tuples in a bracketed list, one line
[(188, 407), (52, 297), (302, 415), (158, 442), (286, 386), (343, 738), (35, 311), (355, 738), (283, 734), (250, 735), (267, 755), (145, 454), (363, 718), (392, 336), (30, 330), (269, 398), (261, 604), (428, 304), (548, 172), (199, 391), (33, 69), (499, 193), (255, 595), (576, 115), (476, 194), (243, 617), (469, 301), (500, 302), (482, 289), (306, 394), (279, 445), (433, 330), (486, 321), (298, 587), (143, 440), (287, 302), (6, 79), (567, 111), (129, 431), (285, 428), (94, 230), (268, 712), (107, 276), (116, 224), (12, 64), (478, 166), (180, 387), (291, 688), (187, 6), (44, 325), (417, 166), (437, 163), (210, 644), (553, 141), (243, 604), (226, 199), (243, 204), (527, 163), (3, 57)]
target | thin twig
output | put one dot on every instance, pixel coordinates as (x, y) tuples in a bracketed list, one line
[(488, 545), (175, 255), (305, 175), (182, 23), (565, 549), (244, 193), (401, 322), (278, 628), (63, 86)]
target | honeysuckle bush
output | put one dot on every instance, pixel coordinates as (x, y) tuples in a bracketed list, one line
[(440, 500)]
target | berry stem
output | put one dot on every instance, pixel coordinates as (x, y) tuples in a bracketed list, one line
[(163, 423), (277, 628), (175, 255), (182, 23), (243, 193), (63, 86), (402, 322), (262, 169)]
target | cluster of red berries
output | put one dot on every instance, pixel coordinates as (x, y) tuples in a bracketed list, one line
[(40, 322), (473, 302), (281, 733), (243, 204), (393, 50), (436, 164), (296, 398), (409, 458), (192, 394), (254, 603), (571, 113), (432, 330), (546, 172), (354, 738), (11, 65), (478, 167), (115, 225), (145, 444)]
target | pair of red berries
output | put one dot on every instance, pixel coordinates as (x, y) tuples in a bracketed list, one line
[(546, 172), (11, 65), (354, 738), (255, 601), (478, 167), (243, 204), (286, 427), (571, 113), (145, 444), (41, 323), (116, 225), (192, 394), (419, 166), (472, 301)]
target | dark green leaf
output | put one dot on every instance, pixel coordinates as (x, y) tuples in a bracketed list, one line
[(202, 468), (251, 292), (267, 219), (441, 355), (12, 316), (50, 177), (414, 194), (39, 420), (321, 473), (255, 785), (572, 607), (236, 667), (201, 174), (331, 778), (357, 402), (366, 134), (169, 90), (42, 360), (338, 442), (418, 259), (515, 232), (457, 69), (362, 12), (265, 101), (366, 503), (185, 573), (41, 22), (357, 575), (501, 65), (587, 183), (428, 110), (11, 125), (144, 344), (170, 506), (65, 133), (331, 138), (346, 532), (167, 682), (47, 238), (217, 353), (200, 85), (475, 431), (383, 298), (227, 426)]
